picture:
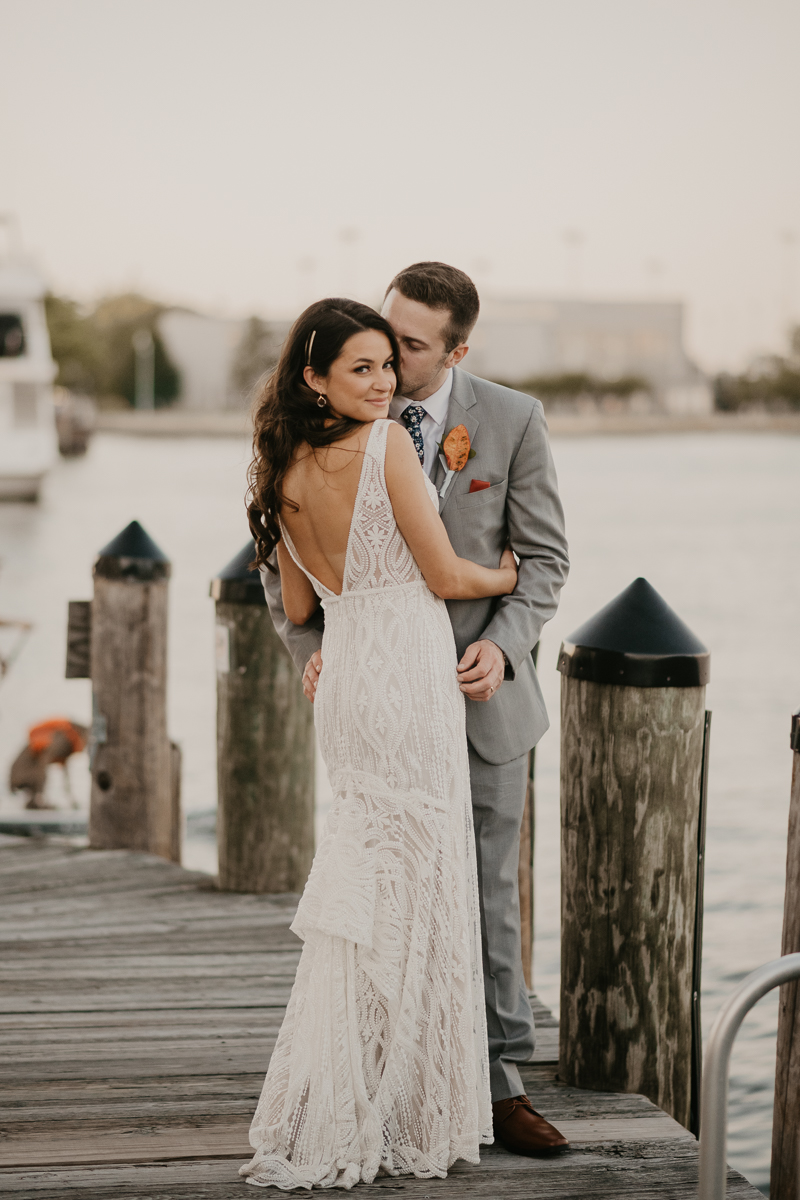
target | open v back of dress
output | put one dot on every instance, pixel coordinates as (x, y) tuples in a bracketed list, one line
[(377, 554)]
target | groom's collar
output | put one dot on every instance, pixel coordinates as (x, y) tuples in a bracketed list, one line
[(462, 391)]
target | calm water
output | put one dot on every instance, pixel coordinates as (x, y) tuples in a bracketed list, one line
[(710, 520)]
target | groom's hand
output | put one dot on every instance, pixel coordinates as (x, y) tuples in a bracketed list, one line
[(481, 670), (311, 675)]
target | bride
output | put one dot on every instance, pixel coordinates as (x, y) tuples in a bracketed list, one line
[(381, 1063)]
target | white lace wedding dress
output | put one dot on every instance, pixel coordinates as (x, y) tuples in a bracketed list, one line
[(381, 1063)]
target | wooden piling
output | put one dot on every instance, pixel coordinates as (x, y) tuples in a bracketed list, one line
[(265, 744), (632, 735), (784, 1182), (132, 799)]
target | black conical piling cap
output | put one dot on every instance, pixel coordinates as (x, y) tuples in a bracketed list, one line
[(636, 641), (132, 554), (236, 583)]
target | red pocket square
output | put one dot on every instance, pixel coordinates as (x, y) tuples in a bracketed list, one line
[(479, 485)]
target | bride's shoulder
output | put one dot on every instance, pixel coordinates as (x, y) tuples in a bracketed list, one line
[(401, 462), (397, 436)]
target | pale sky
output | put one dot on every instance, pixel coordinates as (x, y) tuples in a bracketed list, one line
[(212, 152)]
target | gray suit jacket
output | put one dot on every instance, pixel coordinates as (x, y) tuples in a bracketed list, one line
[(508, 433)]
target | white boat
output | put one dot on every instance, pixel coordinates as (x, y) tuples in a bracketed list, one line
[(28, 440)]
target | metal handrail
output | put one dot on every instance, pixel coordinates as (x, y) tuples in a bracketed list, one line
[(714, 1096)]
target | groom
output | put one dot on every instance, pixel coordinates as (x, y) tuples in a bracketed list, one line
[(506, 493)]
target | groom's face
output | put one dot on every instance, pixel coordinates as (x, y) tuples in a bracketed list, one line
[(420, 332)]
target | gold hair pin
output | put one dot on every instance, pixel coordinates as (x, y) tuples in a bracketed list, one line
[(309, 347)]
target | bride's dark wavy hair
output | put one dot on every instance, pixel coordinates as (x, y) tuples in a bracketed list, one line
[(287, 415)]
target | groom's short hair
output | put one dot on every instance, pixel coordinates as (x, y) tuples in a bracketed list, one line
[(442, 287)]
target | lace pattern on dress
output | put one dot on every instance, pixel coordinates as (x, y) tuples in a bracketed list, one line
[(381, 1064)]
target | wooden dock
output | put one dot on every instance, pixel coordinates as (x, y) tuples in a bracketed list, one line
[(138, 1010)]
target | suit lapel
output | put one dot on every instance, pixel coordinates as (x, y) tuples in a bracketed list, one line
[(459, 412)]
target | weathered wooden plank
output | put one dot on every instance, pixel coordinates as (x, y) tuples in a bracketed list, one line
[(166, 1111), (64, 887), (190, 897), (148, 1138), (188, 938), (56, 890), (591, 1174), (135, 924), (149, 1067), (76, 866), (68, 861), (21, 854), (32, 1038), (152, 966), (75, 863), (74, 1048), (64, 859), (25, 920), (82, 1025), (167, 1060), (131, 1141), (546, 1045), (43, 1107), (138, 925), (540, 1082), (134, 1000), (149, 1089), (163, 1088), (151, 1061), (543, 1017)]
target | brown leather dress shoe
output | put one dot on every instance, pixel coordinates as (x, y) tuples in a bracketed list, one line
[(521, 1129)]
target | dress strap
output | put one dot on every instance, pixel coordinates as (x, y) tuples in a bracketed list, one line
[(376, 442), (372, 483)]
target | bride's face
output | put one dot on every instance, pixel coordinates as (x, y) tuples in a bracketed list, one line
[(361, 381)]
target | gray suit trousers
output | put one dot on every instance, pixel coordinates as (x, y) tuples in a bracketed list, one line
[(498, 801)]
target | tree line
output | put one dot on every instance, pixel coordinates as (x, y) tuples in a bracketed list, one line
[(94, 350), (93, 347), (772, 382)]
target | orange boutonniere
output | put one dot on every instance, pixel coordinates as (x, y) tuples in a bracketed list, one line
[(456, 452)]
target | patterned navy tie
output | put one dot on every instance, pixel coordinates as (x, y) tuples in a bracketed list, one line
[(413, 418)]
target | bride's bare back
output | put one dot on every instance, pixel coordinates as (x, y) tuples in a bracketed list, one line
[(323, 483)]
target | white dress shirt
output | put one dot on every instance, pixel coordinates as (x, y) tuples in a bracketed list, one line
[(432, 424)]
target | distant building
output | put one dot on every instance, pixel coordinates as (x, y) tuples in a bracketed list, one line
[(516, 340), (203, 349), (216, 357)]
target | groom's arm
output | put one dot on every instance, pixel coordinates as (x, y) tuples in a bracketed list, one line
[(537, 536), (300, 640)]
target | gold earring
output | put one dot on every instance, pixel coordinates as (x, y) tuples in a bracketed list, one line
[(321, 401)]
